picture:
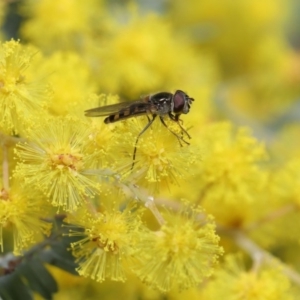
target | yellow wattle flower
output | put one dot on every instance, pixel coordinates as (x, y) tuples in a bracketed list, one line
[(21, 211), (20, 98), (55, 160), (161, 158), (107, 244), (181, 254), (233, 281)]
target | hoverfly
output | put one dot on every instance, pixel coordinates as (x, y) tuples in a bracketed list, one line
[(160, 104)]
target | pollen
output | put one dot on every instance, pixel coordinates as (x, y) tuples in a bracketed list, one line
[(106, 245), (66, 161), (158, 159), (9, 86)]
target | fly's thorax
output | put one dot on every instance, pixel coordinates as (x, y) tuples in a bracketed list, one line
[(161, 103), (164, 109)]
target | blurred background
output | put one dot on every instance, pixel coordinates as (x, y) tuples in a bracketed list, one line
[(239, 59)]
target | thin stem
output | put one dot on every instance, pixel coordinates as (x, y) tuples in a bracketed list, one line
[(90, 206), (5, 169), (273, 216), (203, 192), (259, 255), (153, 208), (147, 200)]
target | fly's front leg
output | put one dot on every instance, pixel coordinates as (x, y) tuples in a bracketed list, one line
[(178, 121), (178, 137), (137, 139)]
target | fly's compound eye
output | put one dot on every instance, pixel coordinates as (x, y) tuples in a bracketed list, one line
[(181, 102)]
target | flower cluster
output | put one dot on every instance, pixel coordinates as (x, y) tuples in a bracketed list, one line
[(21, 215), (18, 93), (234, 281), (167, 257), (53, 162)]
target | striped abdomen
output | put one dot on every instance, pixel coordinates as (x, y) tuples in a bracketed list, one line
[(129, 112)]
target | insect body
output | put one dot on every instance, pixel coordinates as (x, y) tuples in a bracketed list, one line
[(160, 104)]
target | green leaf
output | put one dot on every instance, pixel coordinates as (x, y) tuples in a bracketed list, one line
[(13, 288), (30, 274), (64, 261), (38, 277)]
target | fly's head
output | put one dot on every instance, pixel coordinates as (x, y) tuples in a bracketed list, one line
[(181, 103)]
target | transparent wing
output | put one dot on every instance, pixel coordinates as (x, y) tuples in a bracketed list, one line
[(114, 108)]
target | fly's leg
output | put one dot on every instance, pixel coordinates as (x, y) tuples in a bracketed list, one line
[(179, 122), (137, 139), (180, 138), (183, 130)]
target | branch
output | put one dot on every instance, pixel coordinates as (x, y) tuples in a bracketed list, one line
[(273, 216), (5, 169), (146, 199), (128, 187), (259, 255)]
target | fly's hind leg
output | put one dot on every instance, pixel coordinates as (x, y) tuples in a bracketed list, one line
[(137, 139)]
